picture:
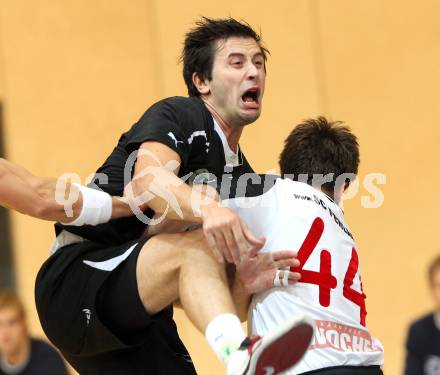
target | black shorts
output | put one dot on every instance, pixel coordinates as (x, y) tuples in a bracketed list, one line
[(347, 370), (89, 307)]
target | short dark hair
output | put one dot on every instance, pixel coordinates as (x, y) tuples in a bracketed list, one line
[(200, 45), (320, 147), (433, 268)]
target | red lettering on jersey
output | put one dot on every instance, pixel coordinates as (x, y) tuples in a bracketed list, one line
[(351, 294), (324, 278)]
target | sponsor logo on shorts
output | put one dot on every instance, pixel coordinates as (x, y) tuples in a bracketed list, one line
[(185, 357), (331, 335)]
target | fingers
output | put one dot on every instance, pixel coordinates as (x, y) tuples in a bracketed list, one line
[(224, 227), (222, 247), (212, 243), (232, 249), (254, 250), (287, 263), (283, 254), (285, 278), (241, 244), (285, 258), (250, 237), (293, 278)]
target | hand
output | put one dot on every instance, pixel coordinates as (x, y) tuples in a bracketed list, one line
[(256, 272), (227, 234)]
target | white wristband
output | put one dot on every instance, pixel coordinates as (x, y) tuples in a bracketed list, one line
[(96, 207)]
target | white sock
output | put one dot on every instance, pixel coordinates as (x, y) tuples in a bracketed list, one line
[(225, 334)]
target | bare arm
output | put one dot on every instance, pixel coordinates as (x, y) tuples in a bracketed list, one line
[(156, 172), (28, 194)]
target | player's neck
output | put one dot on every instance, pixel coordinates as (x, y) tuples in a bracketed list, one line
[(231, 133), (20, 355), (329, 194)]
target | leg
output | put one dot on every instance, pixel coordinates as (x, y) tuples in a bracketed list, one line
[(182, 267)]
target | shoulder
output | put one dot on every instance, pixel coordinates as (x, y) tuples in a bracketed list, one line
[(420, 327), (40, 347), (423, 323), (45, 359), (188, 113), (180, 105)]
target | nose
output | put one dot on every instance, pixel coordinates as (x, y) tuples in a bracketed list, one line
[(252, 71)]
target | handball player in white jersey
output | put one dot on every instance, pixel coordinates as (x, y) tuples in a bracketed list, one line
[(306, 217)]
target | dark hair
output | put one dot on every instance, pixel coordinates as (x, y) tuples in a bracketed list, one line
[(320, 147), (434, 266), (200, 45)]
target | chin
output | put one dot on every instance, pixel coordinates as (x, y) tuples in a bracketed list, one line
[(248, 119)]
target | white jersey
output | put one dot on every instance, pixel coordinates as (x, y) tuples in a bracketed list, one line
[(296, 216)]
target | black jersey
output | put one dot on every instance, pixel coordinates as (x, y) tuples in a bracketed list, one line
[(183, 124), (43, 360), (423, 347)]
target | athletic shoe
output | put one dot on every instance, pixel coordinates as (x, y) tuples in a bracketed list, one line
[(277, 351)]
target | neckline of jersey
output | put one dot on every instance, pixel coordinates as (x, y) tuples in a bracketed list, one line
[(232, 159), (15, 369)]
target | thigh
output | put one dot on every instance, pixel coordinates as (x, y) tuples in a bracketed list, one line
[(159, 264)]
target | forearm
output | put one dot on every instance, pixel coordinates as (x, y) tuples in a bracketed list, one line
[(120, 208), (53, 209), (34, 196), (72, 208), (15, 169), (168, 194)]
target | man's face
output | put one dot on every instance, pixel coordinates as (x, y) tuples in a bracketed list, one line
[(13, 330), (238, 78), (436, 287)]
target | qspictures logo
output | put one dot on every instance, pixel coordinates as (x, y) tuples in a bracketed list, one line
[(156, 180)]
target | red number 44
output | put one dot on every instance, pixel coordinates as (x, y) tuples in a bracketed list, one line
[(324, 278)]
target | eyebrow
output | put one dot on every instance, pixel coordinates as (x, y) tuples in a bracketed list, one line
[(239, 54)]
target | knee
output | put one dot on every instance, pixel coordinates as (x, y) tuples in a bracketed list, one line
[(197, 252), (194, 243)]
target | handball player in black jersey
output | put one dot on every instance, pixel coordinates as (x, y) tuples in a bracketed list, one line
[(105, 296)]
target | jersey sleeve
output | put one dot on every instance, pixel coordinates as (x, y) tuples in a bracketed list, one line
[(166, 122)]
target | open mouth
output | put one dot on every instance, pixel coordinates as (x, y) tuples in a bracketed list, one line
[(251, 96)]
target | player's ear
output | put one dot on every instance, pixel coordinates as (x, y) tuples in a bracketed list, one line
[(201, 83)]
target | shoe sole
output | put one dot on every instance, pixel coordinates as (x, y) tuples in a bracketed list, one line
[(282, 349)]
